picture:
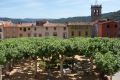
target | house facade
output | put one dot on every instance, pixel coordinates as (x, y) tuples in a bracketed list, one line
[(50, 29), (80, 29), (107, 28), (36, 30), (1, 31)]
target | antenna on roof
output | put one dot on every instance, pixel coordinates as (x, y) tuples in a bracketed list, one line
[(96, 2)]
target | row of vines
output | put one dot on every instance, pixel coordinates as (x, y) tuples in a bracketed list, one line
[(102, 52)]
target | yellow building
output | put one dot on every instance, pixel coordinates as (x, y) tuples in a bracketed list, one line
[(80, 29), (1, 31)]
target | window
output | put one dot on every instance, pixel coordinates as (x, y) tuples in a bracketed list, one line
[(46, 28), (108, 26), (64, 35), (21, 35), (55, 34), (116, 26), (86, 33), (54, 28), (40, 35), (24, 29), (0, 36), (32, 25), (118, 35), (72, 33), (79, 33), (14, 36), (64, 28), (35, 28), (28, 28), (0, 30), (47, 34), (29, 34), (21, 29), (35, 35)]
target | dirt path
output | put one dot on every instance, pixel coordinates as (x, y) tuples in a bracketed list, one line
[(25, 71)]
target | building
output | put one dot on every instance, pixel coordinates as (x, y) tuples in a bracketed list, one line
[(95, 28), (96, 11), (119, 29), (24, 31), (1, 31), (7, 23), (38, 29), (107, 28), (49, 29), (80, 29), (10, 32)]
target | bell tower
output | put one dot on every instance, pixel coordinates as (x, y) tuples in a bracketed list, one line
[(96, 11)]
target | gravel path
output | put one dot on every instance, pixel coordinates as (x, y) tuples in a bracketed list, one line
[(116, 76)]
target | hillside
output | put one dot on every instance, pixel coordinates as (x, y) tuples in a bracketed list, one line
[(111, 15)]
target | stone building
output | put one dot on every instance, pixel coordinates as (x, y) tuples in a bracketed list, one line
[(107, 28), (1, 31), (50, 29), (118, 28), (38, 29), (80, 29)]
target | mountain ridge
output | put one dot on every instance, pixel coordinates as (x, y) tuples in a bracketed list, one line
[(111, 15)]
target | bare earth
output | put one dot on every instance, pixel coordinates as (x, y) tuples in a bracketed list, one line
[(25, 71)]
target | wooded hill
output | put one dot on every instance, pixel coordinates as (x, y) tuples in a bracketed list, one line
[(111, 15)]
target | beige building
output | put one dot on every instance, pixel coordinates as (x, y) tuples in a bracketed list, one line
[(10, 32), (24, 31), (38, 29), (50, 29), (80, 29), (1, 31)]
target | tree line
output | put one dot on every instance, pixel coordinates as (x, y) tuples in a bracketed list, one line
[(102, 52)]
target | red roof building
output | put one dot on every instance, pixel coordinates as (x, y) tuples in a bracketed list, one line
[(107, 28)]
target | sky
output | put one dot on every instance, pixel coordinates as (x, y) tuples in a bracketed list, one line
[(53, 8)]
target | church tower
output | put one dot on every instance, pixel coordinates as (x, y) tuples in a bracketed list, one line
[(96, 11)]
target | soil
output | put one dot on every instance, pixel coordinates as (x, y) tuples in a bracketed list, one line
[(24, 70)]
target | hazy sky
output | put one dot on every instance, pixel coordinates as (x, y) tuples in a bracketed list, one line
[(52, 8)]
